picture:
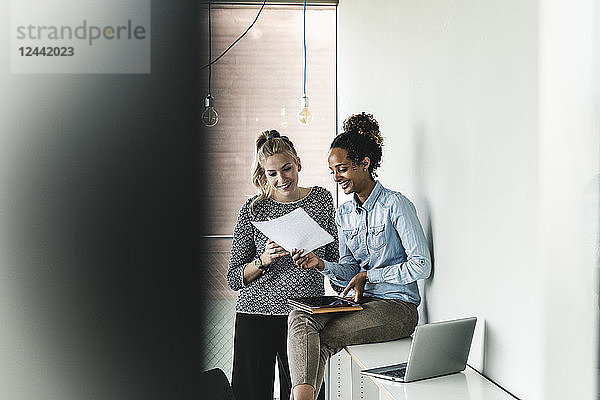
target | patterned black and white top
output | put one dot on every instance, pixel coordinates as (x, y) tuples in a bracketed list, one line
[(268, 293)]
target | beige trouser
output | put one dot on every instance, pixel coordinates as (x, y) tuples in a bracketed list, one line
[(312, 339)]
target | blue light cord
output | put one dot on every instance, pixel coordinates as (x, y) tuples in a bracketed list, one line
[(304, 80)]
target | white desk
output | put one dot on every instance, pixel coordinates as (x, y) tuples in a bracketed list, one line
[(466, 385)]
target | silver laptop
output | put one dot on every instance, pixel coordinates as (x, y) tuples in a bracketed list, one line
[(437, 349)]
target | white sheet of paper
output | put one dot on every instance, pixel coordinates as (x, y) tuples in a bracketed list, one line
[(295, 230)]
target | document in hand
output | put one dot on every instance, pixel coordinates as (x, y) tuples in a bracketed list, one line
[(295, 230), (324, 304)]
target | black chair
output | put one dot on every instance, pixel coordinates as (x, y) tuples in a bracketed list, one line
[(216, 385)]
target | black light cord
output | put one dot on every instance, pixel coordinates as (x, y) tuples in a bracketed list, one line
[(232, 44), (209, 48)]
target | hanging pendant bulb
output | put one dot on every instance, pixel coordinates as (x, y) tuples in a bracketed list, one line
[(210, 117), (304, 115)]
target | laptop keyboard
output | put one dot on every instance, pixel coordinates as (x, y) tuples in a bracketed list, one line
[(397, 372)]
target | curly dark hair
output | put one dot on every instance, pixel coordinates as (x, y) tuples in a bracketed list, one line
[(361, 138)]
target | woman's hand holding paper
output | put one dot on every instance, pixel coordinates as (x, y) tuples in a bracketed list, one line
[(272, 252)]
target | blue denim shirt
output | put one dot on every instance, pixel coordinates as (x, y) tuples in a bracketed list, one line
[(383, 237)]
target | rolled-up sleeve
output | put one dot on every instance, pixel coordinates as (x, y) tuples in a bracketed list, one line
[(331, 249), (342, 271)]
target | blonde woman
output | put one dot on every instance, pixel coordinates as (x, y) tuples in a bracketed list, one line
[(265, 273)]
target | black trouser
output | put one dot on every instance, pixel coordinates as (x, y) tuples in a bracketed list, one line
[(258, 340)]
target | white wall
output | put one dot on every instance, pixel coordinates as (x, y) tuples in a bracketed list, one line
[(487, 109)]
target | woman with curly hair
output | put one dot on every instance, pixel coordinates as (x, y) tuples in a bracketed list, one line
[(383, 252)]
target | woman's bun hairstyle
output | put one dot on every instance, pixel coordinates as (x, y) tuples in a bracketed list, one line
[(361, 138), (265, 136)]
